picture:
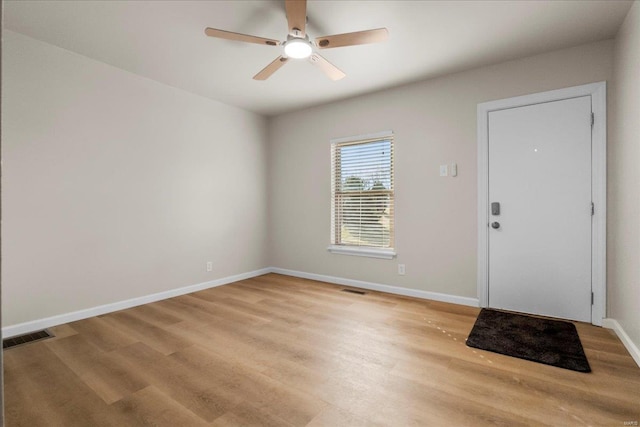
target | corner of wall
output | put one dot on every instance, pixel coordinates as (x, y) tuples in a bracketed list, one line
[(623, 275)]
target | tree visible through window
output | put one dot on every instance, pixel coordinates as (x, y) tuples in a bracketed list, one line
[(362, 192)]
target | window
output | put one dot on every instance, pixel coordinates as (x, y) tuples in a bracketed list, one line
[(362, 195)]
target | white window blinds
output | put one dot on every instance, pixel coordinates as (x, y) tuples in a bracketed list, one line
[(362, 198)]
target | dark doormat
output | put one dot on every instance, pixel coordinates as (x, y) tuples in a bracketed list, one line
[(552, 342)]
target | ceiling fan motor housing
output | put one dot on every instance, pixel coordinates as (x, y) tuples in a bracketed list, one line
[(298, 47)]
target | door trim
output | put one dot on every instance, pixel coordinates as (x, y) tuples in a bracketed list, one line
[(598, 93)]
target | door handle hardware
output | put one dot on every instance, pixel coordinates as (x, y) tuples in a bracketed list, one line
[(495, 225)]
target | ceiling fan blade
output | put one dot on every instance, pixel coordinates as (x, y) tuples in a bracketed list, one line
[(228, 35), (267, 71), (351, 39), (333, 72), (296, 16)]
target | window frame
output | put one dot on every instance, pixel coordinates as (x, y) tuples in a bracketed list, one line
[(361, 250)]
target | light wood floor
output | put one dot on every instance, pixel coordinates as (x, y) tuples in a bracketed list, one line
[(281, 351)]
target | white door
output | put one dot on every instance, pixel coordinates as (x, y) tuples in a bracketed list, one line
[(540, 174)]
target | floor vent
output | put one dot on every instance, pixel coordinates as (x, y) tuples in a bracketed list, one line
[(353, 291), (26, 338)]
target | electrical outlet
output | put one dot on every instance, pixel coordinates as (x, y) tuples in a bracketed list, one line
[(210, 266), (444, 170), (401, 269)]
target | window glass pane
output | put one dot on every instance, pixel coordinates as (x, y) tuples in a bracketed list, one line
[(362, 193), (366, 166)]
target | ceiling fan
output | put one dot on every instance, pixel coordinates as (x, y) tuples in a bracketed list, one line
[(299, 46)]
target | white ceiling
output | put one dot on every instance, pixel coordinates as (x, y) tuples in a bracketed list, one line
[(165, 41)]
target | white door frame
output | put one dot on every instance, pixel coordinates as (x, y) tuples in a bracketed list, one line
[(598, 93)]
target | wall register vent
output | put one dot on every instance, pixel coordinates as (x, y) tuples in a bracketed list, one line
[(26, 338)]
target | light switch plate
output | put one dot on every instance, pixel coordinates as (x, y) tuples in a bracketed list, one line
[(444, 170)]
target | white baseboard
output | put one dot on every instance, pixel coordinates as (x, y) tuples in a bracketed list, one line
[(631, 347), (47, 322), (473, 302)]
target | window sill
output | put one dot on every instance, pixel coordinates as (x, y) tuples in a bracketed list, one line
[(360, 251)]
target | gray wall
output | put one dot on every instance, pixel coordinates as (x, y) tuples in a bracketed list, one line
[(434, 123), (115, 186)]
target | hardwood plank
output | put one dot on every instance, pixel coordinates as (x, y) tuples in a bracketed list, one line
[(232, 381), (154, 314), (100, 333), (489, 385), (336, 417), (247, 415), (228, 343), (40, 390), (283, 351), (150, 407), (232, 291), (155, 337), (62, 331), (186, 386), (110, 380), (222, 308)]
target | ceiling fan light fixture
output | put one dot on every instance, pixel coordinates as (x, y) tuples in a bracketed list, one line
[(297, 48)]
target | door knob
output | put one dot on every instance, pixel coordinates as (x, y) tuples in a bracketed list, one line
[(495, 225)]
